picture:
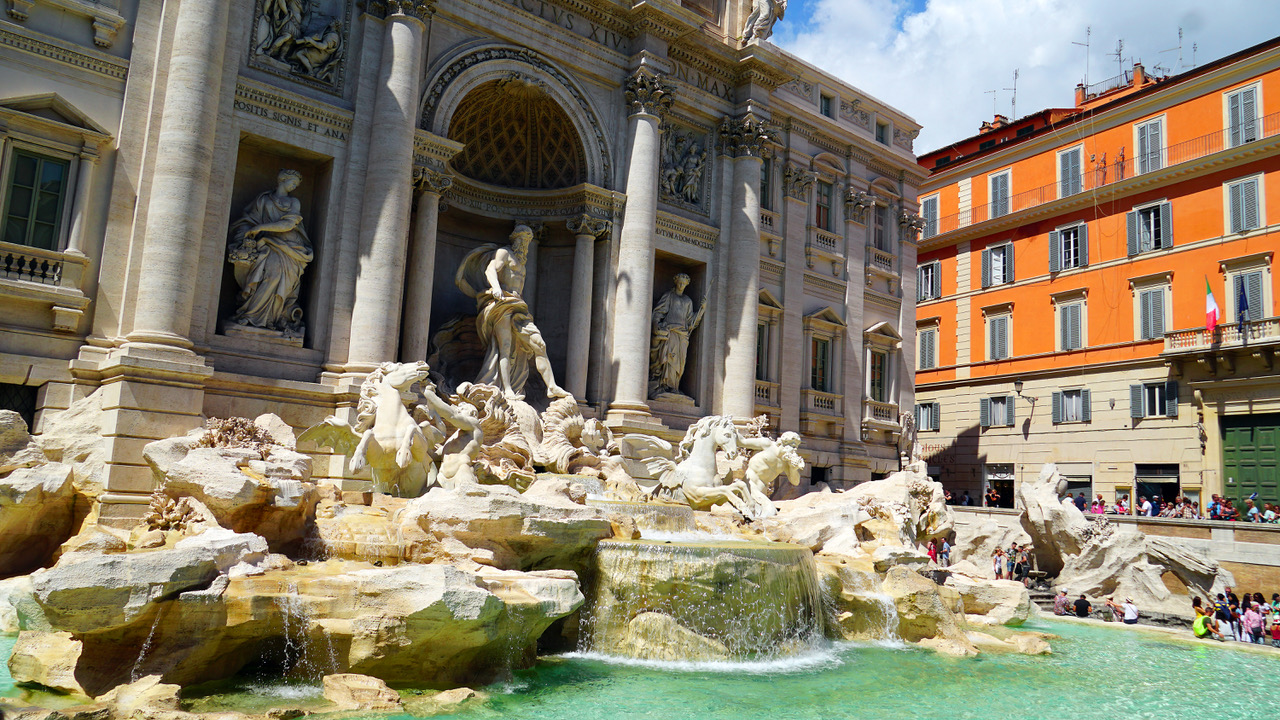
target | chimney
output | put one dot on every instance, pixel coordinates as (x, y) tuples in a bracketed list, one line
[(1139, 75), (1081, 94)]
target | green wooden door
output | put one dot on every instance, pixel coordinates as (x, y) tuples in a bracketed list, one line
[(1250, 457)]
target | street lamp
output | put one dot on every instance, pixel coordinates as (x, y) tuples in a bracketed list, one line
[(1017, 387)]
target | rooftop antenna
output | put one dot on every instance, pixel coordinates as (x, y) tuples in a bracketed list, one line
[(1194, 46), (1014, 113), (1179, 66), (1119, 55), (1088, 34), (995, 110)]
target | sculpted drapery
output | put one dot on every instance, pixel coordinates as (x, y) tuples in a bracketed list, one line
[(269, 250), (674, 320)]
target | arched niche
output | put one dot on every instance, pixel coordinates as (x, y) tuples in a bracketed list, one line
[(471, 68)]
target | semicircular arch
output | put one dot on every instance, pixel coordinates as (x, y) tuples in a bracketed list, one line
[(468, 69)]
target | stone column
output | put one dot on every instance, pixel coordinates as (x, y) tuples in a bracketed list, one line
[(422, 265), (648, 97), (387, 189), (746, 137), (585, 230), (80, 203), (180, 178)]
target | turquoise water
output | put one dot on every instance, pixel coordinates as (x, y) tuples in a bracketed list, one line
[(1094, 673)]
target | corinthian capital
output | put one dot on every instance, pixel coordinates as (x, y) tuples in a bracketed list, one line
[(649, 92), (746, 136), (797, 181), (420, 9), (428, 180), (588, 225)]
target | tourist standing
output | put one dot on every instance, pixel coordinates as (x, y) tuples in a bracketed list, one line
[(1080, 501), (997, 563), (933, 552), (1144, 506), (1252, 621), (1222, 611), (945, 553), (965, 500)]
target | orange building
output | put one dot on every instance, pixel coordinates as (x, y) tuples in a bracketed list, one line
[(1063, 280)]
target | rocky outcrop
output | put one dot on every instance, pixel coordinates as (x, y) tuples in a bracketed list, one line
[(145, 695), (977, 542), (77, 437), (422, 624), (263, 488), (350, 691), (657, 636), (992, 602), (925, 612), (1057, 528), (496, 526), (16, 448), (37, 514)]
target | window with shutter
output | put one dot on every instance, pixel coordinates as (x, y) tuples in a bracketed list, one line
[(998, 342), (984, 412), (1249, 285), (1070, 330), (986, 267), (1000, 195), (929, 281), (822, 214), (929, 211), (1086, 405), (1135, 401), (1171, 399), (1243, 210), (1070, 180), (1150, 146), (1154, 400), (1242, 116), (928, 349), (1055, 411), (1151, 307), (1010, 409), (1055, 251)]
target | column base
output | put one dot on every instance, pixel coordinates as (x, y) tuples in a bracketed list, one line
[(625, 418), (143, 394)]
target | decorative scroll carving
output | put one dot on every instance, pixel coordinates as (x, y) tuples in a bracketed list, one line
[(850, 110), (684, 158), (856, 204), (910, 224), (745, 136), (429, 180), (904, 138), (797, 181), (588, 225), (764, 13), (302, 40), (649, 92)]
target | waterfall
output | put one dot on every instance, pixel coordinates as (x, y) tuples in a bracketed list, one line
[(650, 516), (302, 655), (136, 673), (703, 600)]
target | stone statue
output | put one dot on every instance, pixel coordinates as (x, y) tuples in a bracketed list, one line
[(771, 459), (296, 36), (494, 276), (461, 450), (764, 13), (318, 54), (689, 473), (385, 438), (269, 250), (674, 320), (683, 162)]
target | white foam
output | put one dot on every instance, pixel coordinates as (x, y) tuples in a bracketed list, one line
[(826, 657), (688, 536), (285, 691)]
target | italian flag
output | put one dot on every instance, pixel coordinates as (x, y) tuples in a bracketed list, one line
[(1211, 311)]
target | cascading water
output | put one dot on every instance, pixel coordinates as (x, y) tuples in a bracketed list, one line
[(303, 656), (650, 516), (136, 673), (703, 601)]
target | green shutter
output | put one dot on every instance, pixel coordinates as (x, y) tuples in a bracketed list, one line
[(1166, 225), (1236, 195), (1086, 405), (1055, 251), (1144, 310), (1171, 399), (937, 278), (1234, 119), (1248, 115), (1253, 290), (984, 412), (1009, 409), (1131, 226), (1249, 205), (1008, 263), (1056, 408), (1157, 314), (1135, 401), (986, 267), (937, 416), (1084, 244)]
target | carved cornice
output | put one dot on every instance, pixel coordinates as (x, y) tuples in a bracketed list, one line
[(687, 231), (589, 225), (798, 181), (647, 20), (417, 9), (746, 136), (426, 180), (296, 111), (54, 49), (649, 92), (432, 151)]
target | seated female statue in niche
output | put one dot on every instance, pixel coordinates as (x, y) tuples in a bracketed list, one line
[(674, 320), (494, 276), (269, 250)]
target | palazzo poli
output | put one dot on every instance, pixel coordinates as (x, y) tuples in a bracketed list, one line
[(248, 206)]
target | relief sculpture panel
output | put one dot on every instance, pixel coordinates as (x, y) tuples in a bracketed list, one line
[(302, 39)]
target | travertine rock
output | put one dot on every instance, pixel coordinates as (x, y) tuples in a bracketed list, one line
[(50, 659), (16, 448), (271, 496), (862, 611), (923, 611), (1057, 528), (886, 557), (350, 691), (994, 602), (657, 636), (37, 514), (76, 437), (93, 593), (146, 694), (18, 607), (497, 526), (976, 543), (443, 703)]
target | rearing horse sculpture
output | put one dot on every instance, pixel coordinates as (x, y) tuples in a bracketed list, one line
[(691, 476), (385, 438)]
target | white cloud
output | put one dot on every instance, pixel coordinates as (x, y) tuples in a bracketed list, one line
[(937, 63)]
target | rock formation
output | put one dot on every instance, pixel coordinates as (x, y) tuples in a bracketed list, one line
[(38, 500)]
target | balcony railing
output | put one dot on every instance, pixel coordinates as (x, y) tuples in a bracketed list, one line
[(767, 394), (882, 259), (880, 412), (1227, 335), (1107, 174), (822, 403), (43, 267), (827, 242), (768, 221)]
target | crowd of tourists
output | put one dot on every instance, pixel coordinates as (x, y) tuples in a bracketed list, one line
[(1243, 618), (1182, 507), (1012, 564), (1126, 612)]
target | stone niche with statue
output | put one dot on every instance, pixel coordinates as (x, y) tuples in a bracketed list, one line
[(275, 231), (304, 40)]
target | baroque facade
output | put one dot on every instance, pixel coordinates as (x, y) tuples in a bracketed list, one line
[(229, 208), (1068, 262)]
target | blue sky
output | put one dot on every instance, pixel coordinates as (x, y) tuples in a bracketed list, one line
[(936, 60)]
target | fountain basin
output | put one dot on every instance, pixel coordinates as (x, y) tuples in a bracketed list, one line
[(704, 600)]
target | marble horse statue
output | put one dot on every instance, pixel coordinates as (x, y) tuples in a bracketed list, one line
[(385, 438), (689, 474)]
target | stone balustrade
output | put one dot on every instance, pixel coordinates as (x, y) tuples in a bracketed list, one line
[(767, 394), (1226, 335)]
